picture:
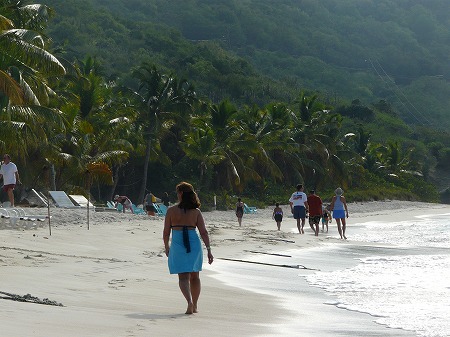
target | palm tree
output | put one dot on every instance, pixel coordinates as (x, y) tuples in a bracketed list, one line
[(229, 136), (306, 106), (161, 101), (324, 152), (25, 66), (312, 130), (268, 138), (395, 161), (97, 131), (200, 144)]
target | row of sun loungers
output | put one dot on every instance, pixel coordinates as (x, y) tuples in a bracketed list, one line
[(160, 209), (16, 218)]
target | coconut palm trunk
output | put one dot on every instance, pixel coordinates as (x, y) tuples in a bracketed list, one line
[(148, 149)]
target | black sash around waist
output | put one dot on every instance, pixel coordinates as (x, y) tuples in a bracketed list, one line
[(186, 242)]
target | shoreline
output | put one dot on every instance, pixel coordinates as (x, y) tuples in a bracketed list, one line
[(330, 320), (113, 279)]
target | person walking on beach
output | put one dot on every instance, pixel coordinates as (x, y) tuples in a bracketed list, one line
[(10, 175), (277, 215), (326, 216), (185, 250), (315, 211), (148, 204), (299, 207), (124, 201), (340, 212), (239, 211)]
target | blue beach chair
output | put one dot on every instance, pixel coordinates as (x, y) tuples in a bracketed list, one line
[(158, 210), (163, 209), (249, 210), (138, 210)]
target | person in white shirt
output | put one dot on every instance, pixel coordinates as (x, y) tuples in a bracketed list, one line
[(299, 207), (10, 175)]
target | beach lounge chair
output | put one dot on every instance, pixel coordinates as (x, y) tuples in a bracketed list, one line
[(138, 210), (62, 200), (112, 205), (13, 217), (80, 200), (16, 218), (29, 221), (109, 207), (5, 218), (249, 209), (163, 209), (160, 209), (38, 198)]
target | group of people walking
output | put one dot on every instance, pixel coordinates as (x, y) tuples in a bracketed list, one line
[(311, 206)]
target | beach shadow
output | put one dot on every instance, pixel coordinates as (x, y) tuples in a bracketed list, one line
[(155, 316)]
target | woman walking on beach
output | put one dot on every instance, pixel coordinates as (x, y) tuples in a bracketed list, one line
[(239, 210), (185, 251), (277, 215), (340, 212)]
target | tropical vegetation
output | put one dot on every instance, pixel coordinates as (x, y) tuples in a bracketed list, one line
[(71, 124)]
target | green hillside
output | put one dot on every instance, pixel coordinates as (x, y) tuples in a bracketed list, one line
[(367, 50), (237, 97)]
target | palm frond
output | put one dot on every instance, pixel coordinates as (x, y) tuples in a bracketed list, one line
[(10, 88), (19, 44), (5, 23)]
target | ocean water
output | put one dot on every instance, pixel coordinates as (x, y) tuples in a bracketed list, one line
[(397, 274), (405, 282)]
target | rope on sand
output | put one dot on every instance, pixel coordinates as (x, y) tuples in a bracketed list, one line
[(255, 252), (29, 299), (272, 239), (294, 266)]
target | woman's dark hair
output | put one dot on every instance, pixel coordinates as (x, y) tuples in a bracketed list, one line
[(277, 204), (189, 199)]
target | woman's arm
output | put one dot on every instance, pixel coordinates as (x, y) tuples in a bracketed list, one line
[(332, 203), (345, 205), (204, 234), (166, 231)]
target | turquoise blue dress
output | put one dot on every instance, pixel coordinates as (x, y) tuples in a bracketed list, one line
[(185, 253)]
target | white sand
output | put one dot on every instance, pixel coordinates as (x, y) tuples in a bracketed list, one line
[(113, 279)]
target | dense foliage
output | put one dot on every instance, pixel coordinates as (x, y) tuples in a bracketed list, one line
[(129, 105), (369, 50)]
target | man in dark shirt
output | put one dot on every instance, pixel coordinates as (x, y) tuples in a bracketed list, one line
[(315, 211)]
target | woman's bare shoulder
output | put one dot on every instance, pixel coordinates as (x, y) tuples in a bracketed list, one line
[(171, 209)]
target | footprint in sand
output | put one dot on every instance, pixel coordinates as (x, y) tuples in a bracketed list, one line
[(116, 284)]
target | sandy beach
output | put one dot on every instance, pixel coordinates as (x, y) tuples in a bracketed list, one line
[(113, 280)]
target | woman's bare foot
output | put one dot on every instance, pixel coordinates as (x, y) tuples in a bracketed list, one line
[(345, 237), (195, 309), (190, 309)]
